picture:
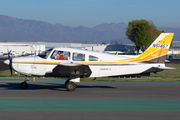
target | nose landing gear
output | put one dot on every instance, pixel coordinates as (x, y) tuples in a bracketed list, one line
[(24, 84)]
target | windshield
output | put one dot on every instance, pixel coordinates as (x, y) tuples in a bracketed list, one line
[(45, 54)]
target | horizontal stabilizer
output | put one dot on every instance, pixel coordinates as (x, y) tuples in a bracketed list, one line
[(167, 61), (164, 68)]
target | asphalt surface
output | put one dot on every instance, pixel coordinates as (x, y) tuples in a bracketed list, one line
[(47, 99)]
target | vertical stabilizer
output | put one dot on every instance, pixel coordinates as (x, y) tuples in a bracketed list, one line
[(158, 50)]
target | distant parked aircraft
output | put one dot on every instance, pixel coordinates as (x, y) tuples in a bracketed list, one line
[(6, 54)]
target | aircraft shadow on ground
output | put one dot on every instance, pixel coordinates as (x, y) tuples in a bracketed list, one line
[(50, 86)]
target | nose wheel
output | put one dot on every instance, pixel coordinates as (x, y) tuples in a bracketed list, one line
[(23, 85)]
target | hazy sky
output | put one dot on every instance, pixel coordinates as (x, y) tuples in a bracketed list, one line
[(89, 13)]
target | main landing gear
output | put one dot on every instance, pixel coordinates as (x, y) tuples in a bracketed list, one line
[(24, 85), (70, 84)]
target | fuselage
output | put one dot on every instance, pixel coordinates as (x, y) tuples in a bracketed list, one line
[(77, 63), (101, 64)]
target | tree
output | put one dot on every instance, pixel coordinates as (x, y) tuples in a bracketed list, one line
[(142, 33), (154, 32)]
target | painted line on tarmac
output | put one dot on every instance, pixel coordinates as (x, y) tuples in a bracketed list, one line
[(94, 98), (10, 81), (89, 105)]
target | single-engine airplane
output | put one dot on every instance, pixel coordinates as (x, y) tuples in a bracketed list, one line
[(78, 63)]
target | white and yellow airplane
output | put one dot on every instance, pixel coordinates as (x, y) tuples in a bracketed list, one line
[(77, 63)]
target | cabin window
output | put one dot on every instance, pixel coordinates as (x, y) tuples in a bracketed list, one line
[(93, 58), (78, 57), (60, 55), (45, 54)]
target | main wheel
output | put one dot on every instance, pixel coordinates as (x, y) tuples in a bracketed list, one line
[(70, 86), (23, 85)]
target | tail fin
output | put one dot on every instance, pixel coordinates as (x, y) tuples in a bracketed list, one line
[(158, 49)]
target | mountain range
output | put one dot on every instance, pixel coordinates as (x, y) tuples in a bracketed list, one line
[(21, 30)]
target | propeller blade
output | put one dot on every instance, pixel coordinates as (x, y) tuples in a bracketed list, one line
[(9, 57), (10, 61), (10, 66)]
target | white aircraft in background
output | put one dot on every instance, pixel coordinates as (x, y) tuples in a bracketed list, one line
[(10, 53), (77, 63)]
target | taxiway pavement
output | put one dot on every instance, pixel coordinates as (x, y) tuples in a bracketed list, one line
[(47, 99)]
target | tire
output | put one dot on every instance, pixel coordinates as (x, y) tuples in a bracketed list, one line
[(70, 86), (23, 85)]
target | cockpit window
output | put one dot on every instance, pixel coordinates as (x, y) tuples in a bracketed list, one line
[(78, 57), (60, 55), (93, 58), (45, 54)]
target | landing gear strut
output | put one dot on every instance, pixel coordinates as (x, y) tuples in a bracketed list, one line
[(24, 85)]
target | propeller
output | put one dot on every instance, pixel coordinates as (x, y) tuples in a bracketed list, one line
[(10, 61)]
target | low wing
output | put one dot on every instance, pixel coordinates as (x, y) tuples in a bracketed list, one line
[(72, 69)]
